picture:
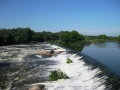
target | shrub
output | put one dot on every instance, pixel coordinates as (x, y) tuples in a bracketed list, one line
[(51, 52), (69, 61), (57, 74)]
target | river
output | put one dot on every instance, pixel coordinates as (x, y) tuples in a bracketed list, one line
[(107, 53), (22, 65)]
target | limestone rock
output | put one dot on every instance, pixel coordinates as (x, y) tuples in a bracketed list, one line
[(37, 87)]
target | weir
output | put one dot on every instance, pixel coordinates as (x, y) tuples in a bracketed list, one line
[(84, 73)]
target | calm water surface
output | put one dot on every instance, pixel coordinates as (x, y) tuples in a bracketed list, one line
[(107, 53)]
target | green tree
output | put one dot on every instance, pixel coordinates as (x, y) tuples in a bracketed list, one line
[(22, 35), (38, 37), (1, 40), (71, 37), (118, 38), (104, 37)]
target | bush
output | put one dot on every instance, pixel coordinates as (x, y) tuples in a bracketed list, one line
[(51, 52), (57, 74), (69, 61)]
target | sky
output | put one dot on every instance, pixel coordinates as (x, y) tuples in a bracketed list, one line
[(88, 17)]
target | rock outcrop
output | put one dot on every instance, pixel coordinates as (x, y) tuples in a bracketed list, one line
[(37, 87)]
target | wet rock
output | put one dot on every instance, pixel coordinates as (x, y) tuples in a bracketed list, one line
[(37, 87)]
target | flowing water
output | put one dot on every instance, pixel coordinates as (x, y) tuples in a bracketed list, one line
[(21, 67)]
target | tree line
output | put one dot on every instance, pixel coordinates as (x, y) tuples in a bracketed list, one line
[(102, 38), (26, 35)]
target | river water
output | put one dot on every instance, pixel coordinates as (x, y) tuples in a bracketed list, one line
[(107, 53), (21, 66)]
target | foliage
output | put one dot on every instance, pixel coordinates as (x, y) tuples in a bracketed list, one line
[(24, 35), (38, 37), (57, 74), (72, 40), (15, 36), (69, 61), (118, 38), (70, 37), (52, 52), (103, 37), (100, 39)]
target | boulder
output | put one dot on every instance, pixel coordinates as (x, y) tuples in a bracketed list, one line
[(37, 87)]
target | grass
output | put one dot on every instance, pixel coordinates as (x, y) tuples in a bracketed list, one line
[(69, 61), (57, 74)]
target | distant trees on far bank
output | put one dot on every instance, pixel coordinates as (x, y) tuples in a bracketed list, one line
[(71, 38), (104, 37), (26, 35), (15, 36), (118, 38), (101, 38)]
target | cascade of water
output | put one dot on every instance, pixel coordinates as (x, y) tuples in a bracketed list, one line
[(81, 76)]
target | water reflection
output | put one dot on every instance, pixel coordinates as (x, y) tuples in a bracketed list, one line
[(87, 43), (100, 45), (106, 53), (118, 45), (76, 46)]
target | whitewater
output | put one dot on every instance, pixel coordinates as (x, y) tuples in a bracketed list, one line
[(29, 68), (81, 76)]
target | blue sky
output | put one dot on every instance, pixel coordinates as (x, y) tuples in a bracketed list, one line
[(88, 17)]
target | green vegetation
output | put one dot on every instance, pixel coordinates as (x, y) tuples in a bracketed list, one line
[(118, 38), (69, 39), (26, 35), (69, 61), (100, 39), (72, 40), (57, 74), (97, 39), (51, 52)]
